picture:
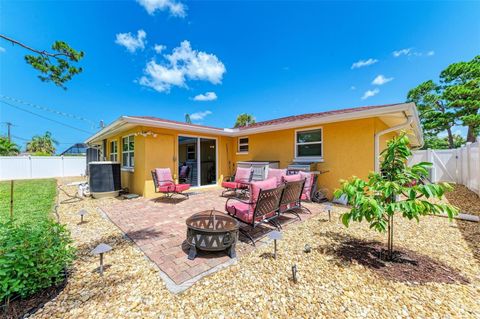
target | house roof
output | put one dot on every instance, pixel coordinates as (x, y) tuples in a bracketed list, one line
[(391, 114)]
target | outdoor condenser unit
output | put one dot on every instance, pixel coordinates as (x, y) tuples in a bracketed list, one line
[(104, 179)]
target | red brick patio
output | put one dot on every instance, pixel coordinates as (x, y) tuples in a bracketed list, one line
[(158, 227)]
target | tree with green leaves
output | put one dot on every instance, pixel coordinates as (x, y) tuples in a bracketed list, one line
[(57, 66), (455, 100), (397, 189), (42, 145), (244, 119), (7, 147)]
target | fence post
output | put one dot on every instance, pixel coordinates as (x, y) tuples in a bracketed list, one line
[(30, 165), (430, 159), (63, 166), (468, 184), (478, 166)]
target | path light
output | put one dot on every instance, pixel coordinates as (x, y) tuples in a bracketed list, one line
[(307, 248), (100, 250), (82, 213), (329, 209), (275, 235), (294, 273)]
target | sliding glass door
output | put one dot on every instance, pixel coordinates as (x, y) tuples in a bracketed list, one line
[(197, 158)]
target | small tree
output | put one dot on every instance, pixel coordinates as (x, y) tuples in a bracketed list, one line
[(398, 188), (244, 119), (42, 145), (7, 147)]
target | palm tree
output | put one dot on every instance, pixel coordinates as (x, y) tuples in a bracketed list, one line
[(42, 144), (244, 119), (8, 148)]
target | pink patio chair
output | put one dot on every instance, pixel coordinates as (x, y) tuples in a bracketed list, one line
[(164, 184), (277, 173), (262, 206), (239, 182), (291, 201)]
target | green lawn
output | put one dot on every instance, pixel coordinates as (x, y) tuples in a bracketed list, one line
[(33, 200)]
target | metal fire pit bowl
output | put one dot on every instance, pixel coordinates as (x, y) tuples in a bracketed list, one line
[(212, 230)]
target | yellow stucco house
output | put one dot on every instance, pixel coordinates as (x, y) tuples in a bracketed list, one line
[(343, 142)]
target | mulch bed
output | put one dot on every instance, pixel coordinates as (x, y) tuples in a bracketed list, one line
[(405, 266), (23, 308), (467, 201)]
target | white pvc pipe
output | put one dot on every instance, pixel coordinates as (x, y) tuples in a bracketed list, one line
[(388, 130)]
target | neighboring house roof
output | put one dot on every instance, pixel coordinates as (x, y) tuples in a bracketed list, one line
[(76, 149), (391, 114)]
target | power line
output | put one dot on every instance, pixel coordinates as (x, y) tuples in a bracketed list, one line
[(46, 118), (48, 109)]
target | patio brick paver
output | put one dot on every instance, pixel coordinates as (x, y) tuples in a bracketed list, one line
[(157, 226)]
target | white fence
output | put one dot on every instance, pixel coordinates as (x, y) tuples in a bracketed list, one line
[(27, 167), (461, 165)]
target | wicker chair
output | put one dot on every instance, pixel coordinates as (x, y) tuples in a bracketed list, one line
[(260, 209), (164, 184)]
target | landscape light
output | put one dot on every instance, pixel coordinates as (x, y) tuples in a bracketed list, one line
[(275, 235), (100, 250)]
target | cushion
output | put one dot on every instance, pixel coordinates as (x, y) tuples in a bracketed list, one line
[(307, 189), (277, 173), (164, 176), (292, 178), (231, 185), (242, 174), (184, 170), (241, 210), (182, 187), (255, 188), (173, 188)]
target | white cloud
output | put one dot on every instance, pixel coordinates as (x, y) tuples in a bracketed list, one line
[(2, 49), (175, 8), (181, 65), (208, 96), (159, 48), (370, 93), (353, 87), (381, 80), (411, 52), (199, 115), (362, 63), (130, 42), (402, 52)]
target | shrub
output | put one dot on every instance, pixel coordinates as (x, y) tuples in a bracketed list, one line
[(32, 257)]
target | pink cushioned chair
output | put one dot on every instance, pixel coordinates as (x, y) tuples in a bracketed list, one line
[(239, 182), (277, 173), (164, 184), (263, 206)]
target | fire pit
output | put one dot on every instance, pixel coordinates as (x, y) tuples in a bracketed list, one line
[(211, 230)]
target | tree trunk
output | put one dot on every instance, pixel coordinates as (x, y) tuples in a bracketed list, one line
[(471, 135), (451, 144), (390, 238)]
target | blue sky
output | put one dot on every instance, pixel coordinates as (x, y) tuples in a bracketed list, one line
[(268, 58)]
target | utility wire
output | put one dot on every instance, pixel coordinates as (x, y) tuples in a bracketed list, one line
[(46, 118), (48, 109)]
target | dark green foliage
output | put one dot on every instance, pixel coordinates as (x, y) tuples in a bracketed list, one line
[(396, 190), (42, 145), (455, 100), (8, 148), (32, 257), (244, 119), (57, 67)]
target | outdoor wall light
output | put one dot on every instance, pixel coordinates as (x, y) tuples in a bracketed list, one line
[(275, 235), (82, 213), (100, 250)]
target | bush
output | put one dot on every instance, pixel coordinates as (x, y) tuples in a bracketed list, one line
[(32, 257)]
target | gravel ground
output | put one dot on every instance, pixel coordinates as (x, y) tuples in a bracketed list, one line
[(465, 199), (258, 286)]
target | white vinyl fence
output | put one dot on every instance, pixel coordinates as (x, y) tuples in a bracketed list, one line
[(461, 165), (29, 167)]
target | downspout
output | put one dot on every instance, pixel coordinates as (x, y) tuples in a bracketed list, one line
[(408, 121)]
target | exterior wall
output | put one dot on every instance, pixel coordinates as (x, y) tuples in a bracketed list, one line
[(162, 151), (348, 149)]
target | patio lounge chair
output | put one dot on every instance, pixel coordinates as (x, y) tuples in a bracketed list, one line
[(291, 200), (277, 173), (262, 206), (164, 184), (239, 181)]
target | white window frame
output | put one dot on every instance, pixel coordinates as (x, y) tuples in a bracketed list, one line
[(309, 158), (243, 144), (114, 155), (129, 166)]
